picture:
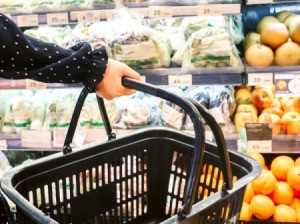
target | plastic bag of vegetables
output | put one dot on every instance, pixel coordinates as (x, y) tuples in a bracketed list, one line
[(208, 47), (136, 45)]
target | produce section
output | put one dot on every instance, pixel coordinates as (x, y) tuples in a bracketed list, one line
[(243, 68)]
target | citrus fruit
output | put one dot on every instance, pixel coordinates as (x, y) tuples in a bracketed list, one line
[(288, 54), (262, 207), (293, 177), (258, 157), (297, 162), (281, 165), (296, 205), (246, 213), (284, 213), (283, 193), (274, 35), (259, 55), (265, 183), (249, 193)]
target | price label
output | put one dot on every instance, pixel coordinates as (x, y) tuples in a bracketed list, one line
[(8, 15), (57, 18), (36, 139), (3, 144), (88, 16), (231, 8), (287, 84), (160, 12), (28, 20), (211, 9), (255, 79), (180, 80), (209, 135), (259, 1), (32, 84), (259, 137)]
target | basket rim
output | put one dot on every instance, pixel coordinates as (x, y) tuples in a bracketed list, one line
[(27, 207)]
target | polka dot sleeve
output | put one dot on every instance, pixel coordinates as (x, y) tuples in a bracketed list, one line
[(23, 57)]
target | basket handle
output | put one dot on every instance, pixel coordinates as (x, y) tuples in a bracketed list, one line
[(198, 153), (221, 143)]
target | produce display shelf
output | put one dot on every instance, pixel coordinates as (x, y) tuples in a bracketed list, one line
[(273, 69), (105, 12)]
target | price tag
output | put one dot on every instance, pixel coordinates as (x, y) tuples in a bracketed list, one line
[(259, 137), (32, 84), (28, 20), (180, 80), (3, 144), (160, 12), (255, 79), (36, 139), (88, 16), (57, 18), (259, 1), (143, 78), (231, 9), (110, 16), (8, 15), (287, 84), (209, 135), (210, 9)]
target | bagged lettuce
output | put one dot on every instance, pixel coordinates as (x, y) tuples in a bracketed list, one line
[(208, 47)]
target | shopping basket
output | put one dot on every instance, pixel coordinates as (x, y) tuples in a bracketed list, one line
[(149, 176)]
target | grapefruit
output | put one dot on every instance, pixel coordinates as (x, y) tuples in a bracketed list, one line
[(259, 55), (274, 35), (287, 54), (265, 22)]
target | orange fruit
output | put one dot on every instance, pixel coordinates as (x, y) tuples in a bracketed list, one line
[(297, 162), (284, 213), (258, 157), (259, 55), (213, 170), (281, 165), (296, 205), (265, 183), (208, 180), (283, 193), (293, 177), (246, 214), (249, 193), (262, 207)]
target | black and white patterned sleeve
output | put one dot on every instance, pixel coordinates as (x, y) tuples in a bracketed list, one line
[(23, 57)]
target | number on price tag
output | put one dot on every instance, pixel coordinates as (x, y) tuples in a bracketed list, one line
[(180, 80), (255, 79), (28, 20), (211, 9), (57, 18), (160, 12), (88, 16), (32, 84)]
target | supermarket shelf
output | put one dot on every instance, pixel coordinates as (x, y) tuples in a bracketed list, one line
[(272, 69), (105, 12)]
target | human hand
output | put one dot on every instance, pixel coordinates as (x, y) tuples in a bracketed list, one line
[(111, 85)]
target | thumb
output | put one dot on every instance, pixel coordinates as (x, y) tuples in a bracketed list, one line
[(130, 73)]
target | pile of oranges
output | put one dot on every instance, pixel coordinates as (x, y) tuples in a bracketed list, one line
[(275, 194)]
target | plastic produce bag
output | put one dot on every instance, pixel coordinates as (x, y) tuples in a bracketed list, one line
[(208, 47), (38, 111), (9, 6), (75, 4), (222, 105), (42, 5), (136, 45)]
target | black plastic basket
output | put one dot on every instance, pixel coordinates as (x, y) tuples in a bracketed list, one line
[(149, 176)]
